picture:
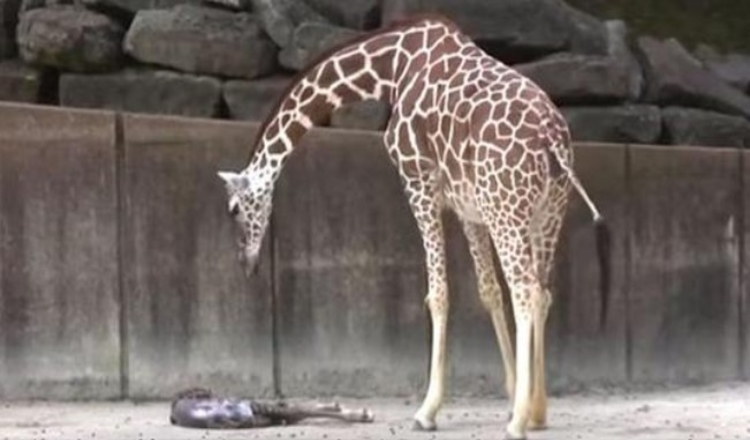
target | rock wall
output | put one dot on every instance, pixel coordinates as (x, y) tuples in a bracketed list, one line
[(234, 58)]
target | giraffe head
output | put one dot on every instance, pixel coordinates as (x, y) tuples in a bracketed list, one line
[(250, 199)]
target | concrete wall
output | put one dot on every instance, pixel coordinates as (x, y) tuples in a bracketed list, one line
[(118, 271)]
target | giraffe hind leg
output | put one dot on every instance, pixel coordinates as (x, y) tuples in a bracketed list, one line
[(545, 238), (491, 295)]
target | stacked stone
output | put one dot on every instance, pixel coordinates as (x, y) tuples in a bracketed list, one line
[(235, 58)]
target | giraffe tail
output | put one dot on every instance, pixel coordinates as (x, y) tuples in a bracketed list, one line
[(603, 249)]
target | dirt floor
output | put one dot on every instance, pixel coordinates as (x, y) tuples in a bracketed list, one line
[(716, 412)]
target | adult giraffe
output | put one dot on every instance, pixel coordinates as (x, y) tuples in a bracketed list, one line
[(468, 133)]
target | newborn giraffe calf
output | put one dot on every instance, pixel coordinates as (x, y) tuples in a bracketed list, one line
[(200, 408)]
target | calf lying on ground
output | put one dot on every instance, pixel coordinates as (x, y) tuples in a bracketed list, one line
[(200, 408)]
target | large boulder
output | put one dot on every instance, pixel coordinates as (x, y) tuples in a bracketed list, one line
[(618, 48), (733, 68), (687, 126), (132, 6), (639, 124), (202, 40), (356, 14), (70, 38), (27, 5), (362, 115), (580, 79), (310, 40), (253, 100), (675, 77), (20, 82), (144, 91), (514, 30), (237, 5), (279, 18), (8, 21)]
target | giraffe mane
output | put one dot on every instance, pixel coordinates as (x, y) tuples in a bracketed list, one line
[(395, 25)]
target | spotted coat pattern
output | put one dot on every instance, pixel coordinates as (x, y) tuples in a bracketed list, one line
[(466, 133)]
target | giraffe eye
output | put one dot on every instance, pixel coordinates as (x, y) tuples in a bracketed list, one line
[(234, 210), (234, 206)]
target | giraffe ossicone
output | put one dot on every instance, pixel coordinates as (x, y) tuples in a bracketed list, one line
[(466, 133)]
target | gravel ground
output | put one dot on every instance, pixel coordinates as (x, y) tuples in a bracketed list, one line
[(716, 412)]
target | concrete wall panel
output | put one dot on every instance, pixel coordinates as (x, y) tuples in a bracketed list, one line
[(684, 269), (350, 277), (193, 319), (59, 333)]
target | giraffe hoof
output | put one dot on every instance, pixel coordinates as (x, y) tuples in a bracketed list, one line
[(537, 425), (367, 416), (423, 425), (514, 433)]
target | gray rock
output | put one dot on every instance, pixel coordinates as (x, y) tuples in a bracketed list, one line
[(202, 40), (576, 79), (687, 126), (674, 77), (27, 5), (237, 5), (310, 41), (623, 124), (705, 52), (279, 18), (734, 69), (355, 14), (144, 91), (19, 82), (363, 115), (70, 38), (618, 48), (514, 30), (133, 6), (8, 21), (254, 100)]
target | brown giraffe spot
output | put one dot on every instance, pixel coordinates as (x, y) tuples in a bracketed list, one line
[(345, 93), (352, 63), (481, 112), (379, 43), (533, 119), (527, 94), (504, 129), (512, 90), (514, 114), (514, 154), (412, 42), (365, 81), (382, 63), (450, 45), (433, 35), (307, 92), (526, 132), (418, 63), (327, 75)]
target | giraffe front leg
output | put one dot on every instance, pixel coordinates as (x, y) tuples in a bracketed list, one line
[(437, 303), (427, 213)]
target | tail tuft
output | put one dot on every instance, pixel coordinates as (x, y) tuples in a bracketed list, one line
[(603, 251)]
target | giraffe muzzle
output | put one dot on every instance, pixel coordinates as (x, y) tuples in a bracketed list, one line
[(250, 262)]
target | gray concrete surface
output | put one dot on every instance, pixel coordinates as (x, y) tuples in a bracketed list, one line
[(716, 412)]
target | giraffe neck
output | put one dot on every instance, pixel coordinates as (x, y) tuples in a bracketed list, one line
[(376, 68)]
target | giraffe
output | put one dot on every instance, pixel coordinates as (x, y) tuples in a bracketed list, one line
[(466, 133)]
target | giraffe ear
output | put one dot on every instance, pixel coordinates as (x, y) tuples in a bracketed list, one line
[(228, 176), (234, 181)]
